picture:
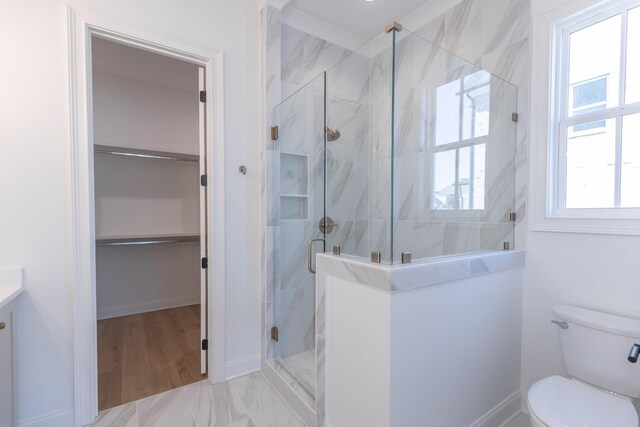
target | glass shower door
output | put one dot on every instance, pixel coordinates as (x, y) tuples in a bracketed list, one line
[(299, 192)]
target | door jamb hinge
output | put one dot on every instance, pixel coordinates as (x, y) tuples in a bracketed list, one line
[(274, 133), (515, 117), (204, 262), (274, 333), (203, 96), (203, 180), (205, 344)]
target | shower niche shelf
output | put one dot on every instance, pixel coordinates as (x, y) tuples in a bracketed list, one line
[(294, 186)]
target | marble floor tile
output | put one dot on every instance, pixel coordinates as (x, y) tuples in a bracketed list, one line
[(248, 401), (214, 405), (120, 416), (168, 409), (256, 393), (278, 416)]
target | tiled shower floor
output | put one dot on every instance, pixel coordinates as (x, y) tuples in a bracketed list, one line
[(248, 401)]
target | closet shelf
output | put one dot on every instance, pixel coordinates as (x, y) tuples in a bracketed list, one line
[(147, 154), (151, 239)]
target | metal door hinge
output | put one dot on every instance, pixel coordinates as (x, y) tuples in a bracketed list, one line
[(203, 96), (274, 133), (203, 180), (205, 263), (274, 333), (512, 216), (514, 117), (506, 246), (205, 344)]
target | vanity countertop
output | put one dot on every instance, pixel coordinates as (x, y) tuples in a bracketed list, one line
[(10, 285)]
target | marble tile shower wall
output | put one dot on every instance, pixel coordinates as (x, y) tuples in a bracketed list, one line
[(299, 181), (418, 228), (489, 34), (348, 158), (494, 35)]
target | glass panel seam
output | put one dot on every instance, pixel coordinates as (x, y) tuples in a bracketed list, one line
[(392, 150)]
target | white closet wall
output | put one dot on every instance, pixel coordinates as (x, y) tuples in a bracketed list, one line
[(146, 101)]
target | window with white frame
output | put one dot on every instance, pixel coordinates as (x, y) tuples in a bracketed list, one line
[(596, 135)]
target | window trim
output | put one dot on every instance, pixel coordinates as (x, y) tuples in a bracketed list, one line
[(544, 80), (562, 121)]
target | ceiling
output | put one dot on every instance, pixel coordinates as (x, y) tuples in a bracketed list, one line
[(364, 19)]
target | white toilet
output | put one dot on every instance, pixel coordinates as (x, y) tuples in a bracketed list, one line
[(599, 350)]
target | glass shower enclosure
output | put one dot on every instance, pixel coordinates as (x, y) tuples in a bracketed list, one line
[(401, 152)]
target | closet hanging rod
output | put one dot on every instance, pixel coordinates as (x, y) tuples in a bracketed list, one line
[(147, 154), (147, 240)]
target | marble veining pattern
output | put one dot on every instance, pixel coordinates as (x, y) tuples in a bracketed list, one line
[(248, 401), (397, 278), (487, 33)]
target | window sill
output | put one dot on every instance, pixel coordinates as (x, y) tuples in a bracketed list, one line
[(621, 227)]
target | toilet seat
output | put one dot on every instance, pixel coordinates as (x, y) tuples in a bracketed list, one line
[(560, 402)]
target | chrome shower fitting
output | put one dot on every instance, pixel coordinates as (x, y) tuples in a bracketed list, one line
[(333, 134)]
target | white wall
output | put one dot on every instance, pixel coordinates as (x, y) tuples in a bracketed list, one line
[(358, 369), (441, 355), (137, 279), (590, 270), (35, 229)]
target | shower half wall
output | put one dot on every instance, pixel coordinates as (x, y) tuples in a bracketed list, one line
[(401, 151)]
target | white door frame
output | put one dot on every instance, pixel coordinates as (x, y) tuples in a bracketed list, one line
[(83, 24)]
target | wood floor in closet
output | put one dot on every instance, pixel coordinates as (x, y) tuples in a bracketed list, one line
[(145, 354)]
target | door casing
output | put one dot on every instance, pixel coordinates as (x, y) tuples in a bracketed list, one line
[(83, 25)]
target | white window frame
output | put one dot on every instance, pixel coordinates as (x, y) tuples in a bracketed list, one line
[(549, 121)]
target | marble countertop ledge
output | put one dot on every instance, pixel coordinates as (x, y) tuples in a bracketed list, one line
[(428, 272), (10, 285)]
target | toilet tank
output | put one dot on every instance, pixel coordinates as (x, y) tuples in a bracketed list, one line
[(596, 348)]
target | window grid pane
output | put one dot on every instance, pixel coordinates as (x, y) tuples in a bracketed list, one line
[(632, 84), (590, 166), (630, 191), (594, 66)]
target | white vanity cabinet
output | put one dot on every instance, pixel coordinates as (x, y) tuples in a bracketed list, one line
[(10, 288), (7, 416)]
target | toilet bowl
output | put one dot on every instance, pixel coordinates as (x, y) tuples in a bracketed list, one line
[(560, 402), (600, 351)]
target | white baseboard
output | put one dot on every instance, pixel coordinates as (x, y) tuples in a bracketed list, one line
[(239, 367), (145, 307), (505, 411), (61, 418)]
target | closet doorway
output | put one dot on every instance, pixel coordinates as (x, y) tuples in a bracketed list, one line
[(149, 175)]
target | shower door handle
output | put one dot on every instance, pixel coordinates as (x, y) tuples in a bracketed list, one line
[(310, 253)]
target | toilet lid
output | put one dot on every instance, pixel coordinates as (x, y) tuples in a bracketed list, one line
[(559, 402)]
